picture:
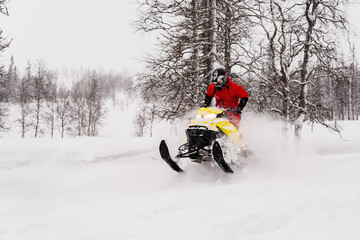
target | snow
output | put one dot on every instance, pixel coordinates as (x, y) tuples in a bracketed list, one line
[(117, 187)]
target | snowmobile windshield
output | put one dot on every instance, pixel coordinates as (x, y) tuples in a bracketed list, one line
[(207, 116), (208, 113), (210, 116)]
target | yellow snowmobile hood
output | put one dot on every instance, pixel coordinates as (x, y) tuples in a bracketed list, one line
[(208, 117)]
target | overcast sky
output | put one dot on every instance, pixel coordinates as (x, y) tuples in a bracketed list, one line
[(87, 33)]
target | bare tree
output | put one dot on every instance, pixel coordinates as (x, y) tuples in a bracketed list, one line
[(63, 110), (3, 8), (78, 108), (12, 80), (278, 52), (297, 54), (40, 81), (233, 38), (320, 17), (3, 86), (94, 103), (351, 86), (51, 102), (87, 105), (177, 77), (3, 101), (24, 100), (345, 90), (151, 115), (140, 122), (356, 89)]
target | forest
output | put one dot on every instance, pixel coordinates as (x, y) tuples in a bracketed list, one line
[(295, 59)]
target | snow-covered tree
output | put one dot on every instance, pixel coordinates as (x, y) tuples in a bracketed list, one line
[(24, 99), (12, 80), (4, 93), (63, 110), (299, 51), (78, 109), (95, 105), (177, 76), (194, 37), (40, 82), (51, 104), (3, 100), (140, 122)]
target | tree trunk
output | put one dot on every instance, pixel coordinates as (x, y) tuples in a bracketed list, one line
[(23, 126), (227, 40), (62, 128), (52, 130), (212, 36), (351, 80), (311, 5), (37, 117), (195, 50)]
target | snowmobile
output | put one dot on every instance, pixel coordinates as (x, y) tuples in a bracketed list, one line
[(203, 136)]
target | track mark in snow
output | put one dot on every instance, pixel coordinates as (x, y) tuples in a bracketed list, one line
[(113, 157), (131, 153)]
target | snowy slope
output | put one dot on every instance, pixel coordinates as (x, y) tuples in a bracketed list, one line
[(116, 187)]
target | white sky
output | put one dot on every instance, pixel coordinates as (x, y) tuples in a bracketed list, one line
[(83, 33), (79, 33)]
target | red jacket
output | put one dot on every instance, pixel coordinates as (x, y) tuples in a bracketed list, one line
[(230, 94)]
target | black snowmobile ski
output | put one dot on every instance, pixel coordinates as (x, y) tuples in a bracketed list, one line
[(219, 158), (165, 155)]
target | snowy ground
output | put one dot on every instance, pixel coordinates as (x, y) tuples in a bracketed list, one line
[(117, 187)]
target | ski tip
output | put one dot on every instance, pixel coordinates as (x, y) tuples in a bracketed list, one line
[(165, 155), (219, 158)]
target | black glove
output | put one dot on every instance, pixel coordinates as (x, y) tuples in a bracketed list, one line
[(241, 105), (207, 101)]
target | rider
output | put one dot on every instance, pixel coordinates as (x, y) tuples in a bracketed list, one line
[(227, 95)]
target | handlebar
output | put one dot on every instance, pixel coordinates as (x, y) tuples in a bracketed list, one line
[(228, 109)]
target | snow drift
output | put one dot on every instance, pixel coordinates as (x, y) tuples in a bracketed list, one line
[(117, 187)]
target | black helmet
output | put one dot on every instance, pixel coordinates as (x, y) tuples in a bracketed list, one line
[(219, 78)]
